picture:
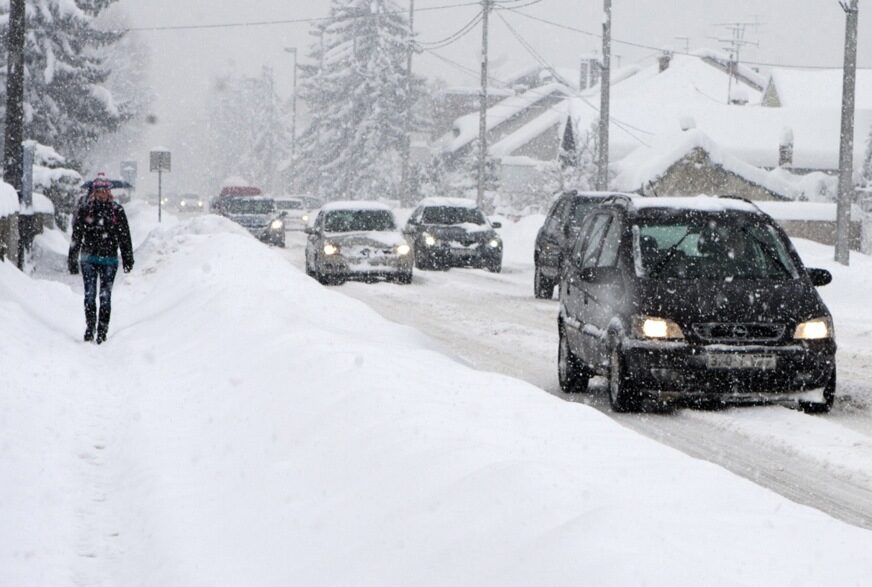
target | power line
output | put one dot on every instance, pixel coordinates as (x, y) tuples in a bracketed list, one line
[(260, 23), (652, 47), (455, 36), (619, 123)]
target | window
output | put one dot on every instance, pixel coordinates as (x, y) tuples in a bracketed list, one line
[(448, 215), (593, 240), (712, 246), (358, 220), (608, 257)]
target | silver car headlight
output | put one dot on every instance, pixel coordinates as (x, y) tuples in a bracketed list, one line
[(330, 249), (403, 249), (657, 328), (429, 239), (276, 224), (816, 329), (493, 243)]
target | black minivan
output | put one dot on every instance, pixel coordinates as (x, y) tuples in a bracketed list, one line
[(701, 299), (558, 234)]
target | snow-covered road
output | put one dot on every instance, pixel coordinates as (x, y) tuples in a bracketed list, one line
[(492, 322)]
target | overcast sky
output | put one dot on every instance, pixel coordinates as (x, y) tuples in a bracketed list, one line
[(183, 62)]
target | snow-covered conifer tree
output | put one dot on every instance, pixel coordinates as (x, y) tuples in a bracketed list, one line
[(67, 104), (358, 91)]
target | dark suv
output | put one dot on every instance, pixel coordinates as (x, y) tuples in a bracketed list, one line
[(558, 235), (693, 299)]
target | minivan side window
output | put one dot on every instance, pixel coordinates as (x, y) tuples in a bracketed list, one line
[(592, 234), (608, 257), (555, 219)]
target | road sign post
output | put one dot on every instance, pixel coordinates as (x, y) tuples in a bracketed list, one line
[(160, 160)]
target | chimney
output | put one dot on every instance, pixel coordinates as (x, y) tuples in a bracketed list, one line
[(664, 60), (589, 71), (785, 148)]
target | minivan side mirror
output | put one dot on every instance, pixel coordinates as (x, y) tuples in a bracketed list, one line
[(497, 224), (310, 230), (819, 277)]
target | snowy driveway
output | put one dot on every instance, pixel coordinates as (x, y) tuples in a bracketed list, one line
[(492, 322)]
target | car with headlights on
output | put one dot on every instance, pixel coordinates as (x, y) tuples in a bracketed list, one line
[(453, 232), (190, 203), (294, 211), (257, 214), (700, 299), (357, 240)]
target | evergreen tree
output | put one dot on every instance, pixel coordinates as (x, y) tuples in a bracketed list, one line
[(578, 156), (66, 102), (249, 132), (359, 93)]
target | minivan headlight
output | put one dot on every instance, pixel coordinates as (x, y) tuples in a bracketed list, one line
[(276, 224), (429, 240), (814, 329), (330, 249), (657, 328), (403, 250)]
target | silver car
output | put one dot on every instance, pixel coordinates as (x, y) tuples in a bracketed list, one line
[(357, 240)]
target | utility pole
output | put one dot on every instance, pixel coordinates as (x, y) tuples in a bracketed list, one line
[(13, 156), (846, 141), (293, 51), (405, 182), (482, 105), (602, 171)]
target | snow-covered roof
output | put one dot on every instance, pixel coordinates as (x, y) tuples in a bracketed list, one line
[(652, 104), (448, 202), (819, 88), (466, 127), (8, 199), (355, 205), (647, 164), (702, 202)]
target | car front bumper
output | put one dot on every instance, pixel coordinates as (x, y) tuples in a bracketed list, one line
[(788, 373), (464, 256), (384, 265)]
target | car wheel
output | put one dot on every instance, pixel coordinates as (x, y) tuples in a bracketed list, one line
[(495, 266), (622, 395), (573, 377), (543, 288), (422, 262), (404, 278), (829, 399)]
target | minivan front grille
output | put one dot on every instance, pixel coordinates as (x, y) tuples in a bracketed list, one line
[(738, 331)]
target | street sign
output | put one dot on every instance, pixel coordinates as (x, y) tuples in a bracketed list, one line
[(160, 161), (128, 172)]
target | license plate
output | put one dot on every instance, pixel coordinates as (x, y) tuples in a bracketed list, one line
[(740, 361)]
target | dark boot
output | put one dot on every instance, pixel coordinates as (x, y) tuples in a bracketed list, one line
[(90, 322), (103, 325)]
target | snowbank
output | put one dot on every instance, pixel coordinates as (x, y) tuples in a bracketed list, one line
[(519, 239), (8, 199), (245, 426)]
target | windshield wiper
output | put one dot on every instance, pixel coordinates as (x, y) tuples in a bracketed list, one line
[(667, 255)]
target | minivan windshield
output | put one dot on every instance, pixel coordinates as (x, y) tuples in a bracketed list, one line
[(359, 221), (711, 246), (289, 204), (452, 215), (249, 206)]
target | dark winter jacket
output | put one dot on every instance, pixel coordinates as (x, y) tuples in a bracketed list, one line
[(99, 230)]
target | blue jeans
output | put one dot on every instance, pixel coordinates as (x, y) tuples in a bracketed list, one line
[(91, 274)]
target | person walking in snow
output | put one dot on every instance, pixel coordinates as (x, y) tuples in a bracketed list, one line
[(100, 229)]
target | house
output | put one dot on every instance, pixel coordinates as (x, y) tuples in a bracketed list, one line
[(818, 89)]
